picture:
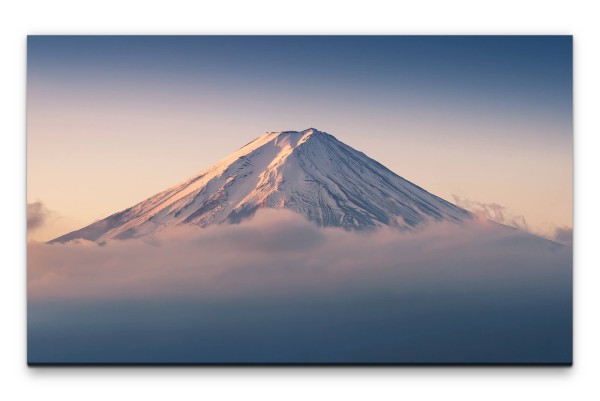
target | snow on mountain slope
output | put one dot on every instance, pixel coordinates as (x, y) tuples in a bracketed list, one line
[(309, 172)]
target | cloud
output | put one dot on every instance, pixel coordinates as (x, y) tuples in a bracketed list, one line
[(37, 215), (564, 235), (279, 289), (278, 249), (501, 214), (493, 211)]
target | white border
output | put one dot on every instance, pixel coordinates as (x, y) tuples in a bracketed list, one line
[(19, 18)]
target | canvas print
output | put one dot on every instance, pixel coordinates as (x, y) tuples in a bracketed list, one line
[(299, 200)]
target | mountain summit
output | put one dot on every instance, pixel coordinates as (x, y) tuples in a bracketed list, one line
[(309, 172)]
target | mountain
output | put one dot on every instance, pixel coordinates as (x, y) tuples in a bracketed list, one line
[(309, 172)]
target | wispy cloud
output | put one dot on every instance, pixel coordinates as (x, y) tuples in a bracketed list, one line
[(564, 235), (501, 214), (493, 211), (37, 215)]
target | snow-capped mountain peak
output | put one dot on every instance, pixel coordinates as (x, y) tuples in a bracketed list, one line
[(309, 172)]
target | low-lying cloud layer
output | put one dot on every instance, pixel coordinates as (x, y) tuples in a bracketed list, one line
[(280, 251), (309, 278)]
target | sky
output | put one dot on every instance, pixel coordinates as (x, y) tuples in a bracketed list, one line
[(476, 120)]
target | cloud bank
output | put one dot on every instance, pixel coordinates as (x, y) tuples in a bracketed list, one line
[(383, 296)]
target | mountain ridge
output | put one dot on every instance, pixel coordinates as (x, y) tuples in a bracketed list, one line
[(309, 172)]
